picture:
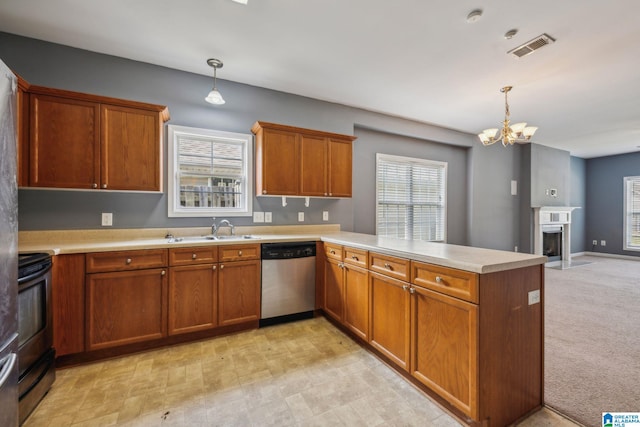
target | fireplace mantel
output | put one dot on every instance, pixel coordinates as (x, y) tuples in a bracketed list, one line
[(553, 216)]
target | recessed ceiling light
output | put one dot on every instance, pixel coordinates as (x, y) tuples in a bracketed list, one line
[(474, 15), (241, 1)]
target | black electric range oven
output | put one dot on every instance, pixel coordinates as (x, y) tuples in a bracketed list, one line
[(36, 355)]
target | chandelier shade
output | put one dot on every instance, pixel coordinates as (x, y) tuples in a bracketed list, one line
[(509, 134)]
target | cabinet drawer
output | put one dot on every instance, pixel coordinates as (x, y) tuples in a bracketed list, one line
[(333, 251), (389, 265), (356, 256), (449, 281), (126, 260), (238, 252), (196, 255)]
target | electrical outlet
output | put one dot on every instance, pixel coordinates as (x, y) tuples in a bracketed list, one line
[(107, 219), (268, 217), (603, 243), (300, 216), (515, 249), (595, 243), (258, 217), (534, 297), (514, 188), (325, 215)]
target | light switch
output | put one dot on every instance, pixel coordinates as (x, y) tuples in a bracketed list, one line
[(268, 217), (514, 187), (325, 215), (301, 216)]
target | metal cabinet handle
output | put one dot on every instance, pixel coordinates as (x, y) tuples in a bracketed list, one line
[(163, 273), (331, 194), (94, 185), (354, 257), (405, 287), (221, 266), (213, 267), (412, 290), (104, 185), (332, 252), (194, 256), (239, 253), (440, 280), (264, 191), (325, 194), (388, 266), (128, 261)]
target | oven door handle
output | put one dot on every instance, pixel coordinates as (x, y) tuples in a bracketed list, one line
[(35, 275), (8, 363)]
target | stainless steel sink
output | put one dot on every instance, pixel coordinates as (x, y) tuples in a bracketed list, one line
[(212, 237)]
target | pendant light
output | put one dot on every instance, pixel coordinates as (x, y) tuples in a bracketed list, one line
[(214, 96)]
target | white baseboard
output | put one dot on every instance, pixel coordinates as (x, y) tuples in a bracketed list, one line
[(578, 254), (605, 255)]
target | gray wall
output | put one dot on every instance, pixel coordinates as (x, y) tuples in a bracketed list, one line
[(605, 201), (494, 212), (578, 198), (550, 168), (371, 142)]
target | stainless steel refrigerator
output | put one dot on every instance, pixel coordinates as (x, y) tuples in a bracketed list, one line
[(8, 251)]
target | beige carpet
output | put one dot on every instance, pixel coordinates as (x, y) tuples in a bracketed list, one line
[(592, 338)]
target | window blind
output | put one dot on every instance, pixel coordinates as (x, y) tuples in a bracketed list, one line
[(411, 198), (632, 213)]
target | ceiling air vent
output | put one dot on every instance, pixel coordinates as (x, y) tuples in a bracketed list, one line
[(532, 45)]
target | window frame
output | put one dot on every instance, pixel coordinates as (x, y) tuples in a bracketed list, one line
[(627, 228), (173, 197), (425, 162)]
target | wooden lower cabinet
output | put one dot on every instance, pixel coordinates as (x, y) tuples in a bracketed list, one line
[(126, 307), (238, 292), (68, 301), (356, 300), (193, 298), (333, 289), (389, 328), (444, 336)]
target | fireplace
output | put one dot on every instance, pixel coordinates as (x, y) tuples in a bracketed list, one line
[(552, 233), (552, 243)]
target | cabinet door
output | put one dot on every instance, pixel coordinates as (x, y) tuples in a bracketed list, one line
[(22, 122), (277, 163), (340, 168), (131, 144), (67, 301), (333, 288), (313, 166), (444, 349), (126, 307), (356, 300), (238, 292), (192, 298), (389, 327), (64, 149)]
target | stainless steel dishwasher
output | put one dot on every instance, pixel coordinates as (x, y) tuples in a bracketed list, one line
[(288, 282)]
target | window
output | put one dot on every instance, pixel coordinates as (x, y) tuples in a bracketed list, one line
[(209, 173), (632, 213), (411, 198)]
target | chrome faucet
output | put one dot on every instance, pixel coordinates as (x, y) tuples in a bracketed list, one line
[(225, 223), (214, 228)]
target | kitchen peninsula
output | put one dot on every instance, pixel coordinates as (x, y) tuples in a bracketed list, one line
[(463, 324)]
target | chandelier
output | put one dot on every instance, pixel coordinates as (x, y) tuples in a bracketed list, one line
[(518, 132)]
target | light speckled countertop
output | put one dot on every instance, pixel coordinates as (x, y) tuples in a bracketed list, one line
[(476, 260)]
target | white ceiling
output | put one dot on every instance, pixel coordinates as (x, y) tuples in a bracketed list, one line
[(417, 59)]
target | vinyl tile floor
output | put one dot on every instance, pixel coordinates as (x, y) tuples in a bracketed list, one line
[(306, 373)]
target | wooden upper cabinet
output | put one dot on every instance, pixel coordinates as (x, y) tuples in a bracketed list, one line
[(64, 149), (313, 166), (276, 163), (293, 161), (340, 167), (86, 141), (22, 122), (130, 153)]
